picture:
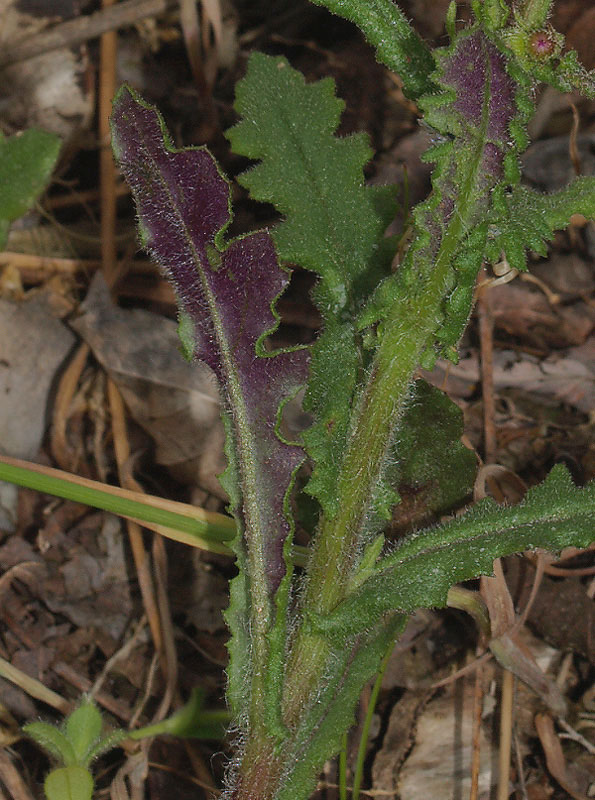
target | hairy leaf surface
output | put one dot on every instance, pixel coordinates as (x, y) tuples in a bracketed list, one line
[(397, 45), (526, 220), (318, 736), (554, 515), (477, 121), (333, 225), (430, 459), (228, 291)]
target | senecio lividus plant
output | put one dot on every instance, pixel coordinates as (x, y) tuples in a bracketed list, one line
[(303, 644)]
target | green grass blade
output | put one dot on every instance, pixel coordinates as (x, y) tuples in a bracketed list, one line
[(195, 526)]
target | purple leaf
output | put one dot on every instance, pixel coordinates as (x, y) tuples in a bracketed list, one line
[(228, 291)]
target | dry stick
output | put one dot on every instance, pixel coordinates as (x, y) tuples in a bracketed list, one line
[(31, 263), (107, 168), (61, 452), (33, 687), (107, 191), (167, 628), (141, 558), (486, 343), (478, 692), (83, 684), (572, 144), (79, 198), (77, 31), (13, 779), (506, 697), (486, 338), (120, 655)]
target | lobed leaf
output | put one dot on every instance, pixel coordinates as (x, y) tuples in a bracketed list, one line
[(526, 219), (227, 291), (478, 118), (419, 573), (431, 462), (333, 224)]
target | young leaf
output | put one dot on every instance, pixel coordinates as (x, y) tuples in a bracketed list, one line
[(69, 783), (53, 740), (26, 163), (228, 289), (83, 730), (474, 117), (333, 224), (425, 565)]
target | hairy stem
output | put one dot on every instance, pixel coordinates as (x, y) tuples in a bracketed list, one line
[(409, 330)]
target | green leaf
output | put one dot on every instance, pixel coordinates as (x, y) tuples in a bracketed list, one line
[(333, 225), (332, 710), (83, 730), (479, 119), (526, 219), (53, 740), (432, 461), (397, 45), (553, 515), (26, 163), (69, 783)]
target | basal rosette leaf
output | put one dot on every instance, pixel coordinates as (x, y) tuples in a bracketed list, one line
[(420, 571), (228, 290), (333, 224)]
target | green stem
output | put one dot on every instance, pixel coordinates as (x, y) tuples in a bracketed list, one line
[(397, 44), (343, 768), (409, 330)]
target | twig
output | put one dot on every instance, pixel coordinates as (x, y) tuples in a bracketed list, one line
[(140, 555), (476, 752), (107, 168), (33, 687), (77, 31), (506, 699), (61, 452), (120, 655), (83, 684), (13, 779), (486, 337)]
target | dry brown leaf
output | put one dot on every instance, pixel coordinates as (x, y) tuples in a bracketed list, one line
[(176, 402)]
